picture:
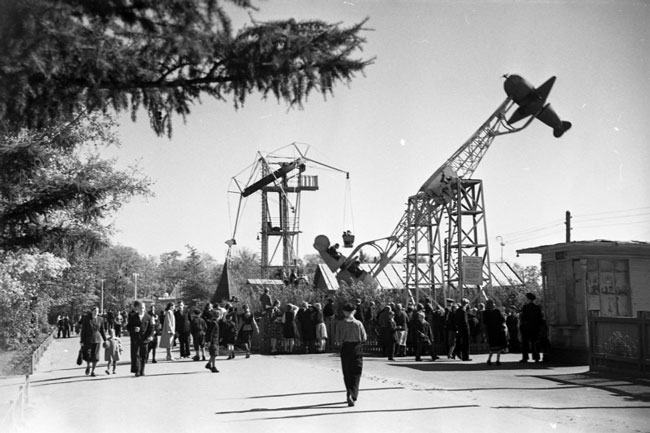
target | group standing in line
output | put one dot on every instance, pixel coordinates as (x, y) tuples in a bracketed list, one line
[(399, 330)]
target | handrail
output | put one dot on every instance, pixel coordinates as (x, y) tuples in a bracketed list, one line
[(38, 352), (15, 416)]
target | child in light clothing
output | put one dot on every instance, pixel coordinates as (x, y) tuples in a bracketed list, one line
[(112, 350)]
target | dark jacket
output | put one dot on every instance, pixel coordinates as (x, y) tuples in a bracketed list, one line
[(530, 319), (183, 320), (461, 320), (198, 326), (146, 325), (422, 331), (228, 331), (92, 330)]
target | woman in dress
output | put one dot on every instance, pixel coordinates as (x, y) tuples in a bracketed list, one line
[(168, 329), (496, 331), (273, 330), (92, 336)]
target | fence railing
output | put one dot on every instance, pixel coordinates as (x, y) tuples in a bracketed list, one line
[(620, 344), (15, 416), (38, 352), (14, 419)]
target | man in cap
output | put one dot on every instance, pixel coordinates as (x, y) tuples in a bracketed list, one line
[(351, 334), (530, 321)]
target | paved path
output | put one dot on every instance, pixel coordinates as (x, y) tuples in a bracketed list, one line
[(304, 393)]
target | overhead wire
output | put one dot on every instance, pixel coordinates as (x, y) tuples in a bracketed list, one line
[(589, 220)]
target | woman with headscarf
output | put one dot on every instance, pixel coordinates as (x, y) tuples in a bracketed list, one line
[(495, 326)]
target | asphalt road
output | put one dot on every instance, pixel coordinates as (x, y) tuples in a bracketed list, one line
[(305, 393)]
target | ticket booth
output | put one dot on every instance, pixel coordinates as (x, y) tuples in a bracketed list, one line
[(592, 279)]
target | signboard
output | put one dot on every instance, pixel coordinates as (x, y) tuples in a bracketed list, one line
[(473, 270)]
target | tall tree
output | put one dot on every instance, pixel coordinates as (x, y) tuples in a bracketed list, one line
[(171, 272), (532, 277), (55, 190), (28, 287), (60, 57), (197, 285), (244, 264), (117, 266)]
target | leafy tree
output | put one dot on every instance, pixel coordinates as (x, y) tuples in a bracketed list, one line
[(244, 264), (170, 272), (61, 57), (198, 282), (117, 266), (310, 263), (515, 296), (77, 289), (28, 287), (55, 190)]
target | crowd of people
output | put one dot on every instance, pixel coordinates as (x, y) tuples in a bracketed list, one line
[(401, 331), (415, 330), (175, 326), (418, 330)]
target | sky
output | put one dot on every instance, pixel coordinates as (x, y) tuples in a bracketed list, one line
[(436, 78)]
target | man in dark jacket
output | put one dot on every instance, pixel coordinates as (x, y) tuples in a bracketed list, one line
[(530, 321), (141, 330), (183, 319), (461, 320)]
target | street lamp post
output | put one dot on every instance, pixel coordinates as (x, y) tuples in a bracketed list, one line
[(135, 285), (101, 307), (500, 239)]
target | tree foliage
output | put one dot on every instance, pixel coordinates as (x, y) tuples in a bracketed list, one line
[(515, 296), (27, 287), (55, 190), (198, 282), (61, 57), (244, 264)]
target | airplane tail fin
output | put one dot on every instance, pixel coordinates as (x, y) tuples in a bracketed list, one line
[(564, 127)]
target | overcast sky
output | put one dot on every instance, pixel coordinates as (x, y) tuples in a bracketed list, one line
[(437, 78)]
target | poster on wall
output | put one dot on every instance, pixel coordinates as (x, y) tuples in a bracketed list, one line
[(473, 270)]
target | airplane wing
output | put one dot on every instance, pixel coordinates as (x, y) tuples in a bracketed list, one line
[(520, 113), (543, 90)]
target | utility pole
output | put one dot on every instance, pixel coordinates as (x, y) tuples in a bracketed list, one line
[(567, 222)]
